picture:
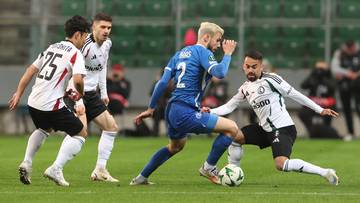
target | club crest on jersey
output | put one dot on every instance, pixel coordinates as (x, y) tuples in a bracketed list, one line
[(261, 90), (211, 58), (198, 115)]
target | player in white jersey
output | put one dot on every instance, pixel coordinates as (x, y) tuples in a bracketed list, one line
[(53, 68), (96, 53), (265, 93)]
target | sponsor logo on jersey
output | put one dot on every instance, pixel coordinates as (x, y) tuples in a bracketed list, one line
[(96, 68), (261, 90), (185, 54), (261, 104)]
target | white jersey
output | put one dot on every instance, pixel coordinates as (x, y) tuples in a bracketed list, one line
[(96, 58), (56, 65), (265, 96)]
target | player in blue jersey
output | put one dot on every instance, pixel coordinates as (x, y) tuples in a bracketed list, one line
[(192, 68)]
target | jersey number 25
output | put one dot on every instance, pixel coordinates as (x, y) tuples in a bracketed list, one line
[(47, 72)]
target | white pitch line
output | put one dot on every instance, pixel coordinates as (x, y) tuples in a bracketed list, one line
[(187, 193)]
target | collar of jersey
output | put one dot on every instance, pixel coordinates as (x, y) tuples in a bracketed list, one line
[(92, 37), (201, 45)]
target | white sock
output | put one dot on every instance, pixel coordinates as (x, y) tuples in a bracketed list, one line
[(70, 147), (207, 166), (235, 153), (105, 147), (35, 141), (303, 166)]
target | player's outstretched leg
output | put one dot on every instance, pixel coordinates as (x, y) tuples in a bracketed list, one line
[(157, 160), (106, 144), (35, 141), (70, 147), (299, 165), (209, 170)]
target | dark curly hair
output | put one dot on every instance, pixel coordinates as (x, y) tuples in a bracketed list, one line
[(76, 23)]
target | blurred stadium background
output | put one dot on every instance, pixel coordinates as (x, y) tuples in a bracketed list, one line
[(292, 34)]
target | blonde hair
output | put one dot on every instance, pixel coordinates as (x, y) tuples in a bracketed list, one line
[(209, 28)]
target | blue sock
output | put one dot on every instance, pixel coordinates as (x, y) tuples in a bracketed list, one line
[(221, 143), (157, 159)]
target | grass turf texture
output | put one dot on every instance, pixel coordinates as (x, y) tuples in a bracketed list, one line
[(178, 179)]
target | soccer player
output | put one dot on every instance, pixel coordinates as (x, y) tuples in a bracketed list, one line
[(96, 53), (265, 93), (190, 68), (52, 69)]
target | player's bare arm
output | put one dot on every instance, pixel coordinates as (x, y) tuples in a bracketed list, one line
[(145, 114), (24, 81), (79, 84)]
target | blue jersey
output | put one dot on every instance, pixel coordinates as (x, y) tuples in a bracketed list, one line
[(191, 68)]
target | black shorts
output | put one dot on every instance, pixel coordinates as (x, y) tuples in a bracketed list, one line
[(281, 140), (94, 105), (62, 119)]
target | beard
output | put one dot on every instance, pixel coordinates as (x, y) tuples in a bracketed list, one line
[(251, 77)]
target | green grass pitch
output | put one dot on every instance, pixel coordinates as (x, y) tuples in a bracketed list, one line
[(178, 180)]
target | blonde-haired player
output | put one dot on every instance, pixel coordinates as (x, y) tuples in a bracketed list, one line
[(191, 68)]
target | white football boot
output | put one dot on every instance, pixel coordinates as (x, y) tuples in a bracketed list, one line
[(55, 174), (332, 177), (140, 180), (24, 172), (212, 174), (101, 174)]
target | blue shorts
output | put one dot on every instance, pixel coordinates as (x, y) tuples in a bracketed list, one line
[(181, 119)]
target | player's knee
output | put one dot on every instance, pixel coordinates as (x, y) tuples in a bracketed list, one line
[(233, 130), (114, 127), (111, 126), (175, 149)]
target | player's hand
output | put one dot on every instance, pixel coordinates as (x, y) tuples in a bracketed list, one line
[(80, 109), (205, 109), (145, 114), (106, 100), (329, 112), (351, 75), (14, 101), (229, 46), (73, 95)]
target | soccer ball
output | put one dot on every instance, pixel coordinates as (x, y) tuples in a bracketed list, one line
[(231, 175)]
